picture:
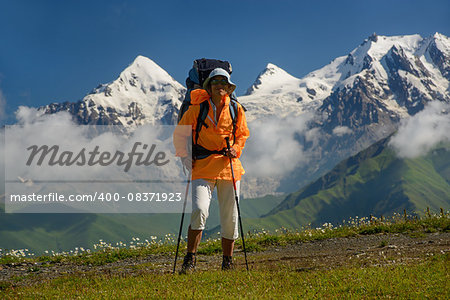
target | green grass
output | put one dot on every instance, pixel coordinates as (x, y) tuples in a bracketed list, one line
[(255, 241), (425, 280)]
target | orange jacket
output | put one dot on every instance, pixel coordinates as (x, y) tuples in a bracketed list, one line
[(215, 166)]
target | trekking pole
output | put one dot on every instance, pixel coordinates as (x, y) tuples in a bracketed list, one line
[(227, 139), (181, 223)]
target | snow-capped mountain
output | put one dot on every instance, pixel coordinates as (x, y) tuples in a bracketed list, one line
[(387, 78), (383, 81), (398, 74), (142, 94), (357, 99)]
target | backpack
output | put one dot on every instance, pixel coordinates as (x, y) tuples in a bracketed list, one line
[(197, 75)]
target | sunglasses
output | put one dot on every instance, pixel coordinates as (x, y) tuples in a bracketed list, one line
[(219, 81)]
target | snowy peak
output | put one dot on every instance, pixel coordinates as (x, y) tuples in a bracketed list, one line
[(388, 78), (368, 55), (144, 93), (272, 70), (276, 92), (271, 77), (398, 73), (377, 46), (143, 87), (147, 71), (142, 76), (442, 43), (143, 71)]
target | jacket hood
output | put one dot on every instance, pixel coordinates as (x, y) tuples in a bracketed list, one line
[(198, 96)]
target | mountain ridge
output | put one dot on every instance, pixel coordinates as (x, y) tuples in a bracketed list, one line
[(300, 94), (369, 57)]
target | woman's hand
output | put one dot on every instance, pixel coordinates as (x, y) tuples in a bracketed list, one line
[(187, 163), (231, 153)]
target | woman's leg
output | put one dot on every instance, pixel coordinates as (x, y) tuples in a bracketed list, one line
[(228, 220), (228, 214), (201, 198), (194, 237), (227, 247)]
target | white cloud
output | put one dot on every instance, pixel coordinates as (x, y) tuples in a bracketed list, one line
[(420, 133), (34, 130), (29, 115), (273, 148), (341, 130)]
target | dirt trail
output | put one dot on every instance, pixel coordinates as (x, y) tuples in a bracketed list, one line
[(360, 251)]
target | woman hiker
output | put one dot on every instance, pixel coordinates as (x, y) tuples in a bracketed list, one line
[(210, 162)]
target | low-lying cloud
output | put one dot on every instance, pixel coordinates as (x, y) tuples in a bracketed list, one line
[(341, 130), (49, 153), (275, 146), (417, 135)]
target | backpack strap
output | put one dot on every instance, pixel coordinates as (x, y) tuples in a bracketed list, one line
[(203, 113), (234, 114), (184, 106)]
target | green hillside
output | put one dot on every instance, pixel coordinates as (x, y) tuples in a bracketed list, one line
[(58, 232), (373, 182)]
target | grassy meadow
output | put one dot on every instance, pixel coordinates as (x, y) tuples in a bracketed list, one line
[(418, 279), (424, 280)]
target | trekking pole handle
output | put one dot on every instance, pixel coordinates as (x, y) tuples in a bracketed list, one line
[(227, 139)]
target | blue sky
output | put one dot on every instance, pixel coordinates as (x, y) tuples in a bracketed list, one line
[(55, 51)]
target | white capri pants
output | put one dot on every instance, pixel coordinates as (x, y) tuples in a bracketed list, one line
[(201, 198)]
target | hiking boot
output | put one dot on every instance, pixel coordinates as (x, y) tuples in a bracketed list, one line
[(227, 263), (188, 263)]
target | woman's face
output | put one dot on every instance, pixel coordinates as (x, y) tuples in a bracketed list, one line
[(219, 86)]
